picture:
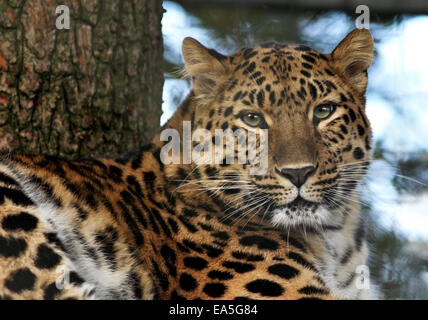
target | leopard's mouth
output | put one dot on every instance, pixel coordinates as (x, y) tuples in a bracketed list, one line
[(299, 212), (298, 204)]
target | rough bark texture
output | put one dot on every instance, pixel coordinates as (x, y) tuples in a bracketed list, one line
[(95, 89)]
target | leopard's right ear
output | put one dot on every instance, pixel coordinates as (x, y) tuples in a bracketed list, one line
[(353, 56), (206, 66)]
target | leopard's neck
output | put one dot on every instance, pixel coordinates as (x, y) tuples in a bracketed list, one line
[(341, 254)]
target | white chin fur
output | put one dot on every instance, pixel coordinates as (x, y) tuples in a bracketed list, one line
[(320, 217)]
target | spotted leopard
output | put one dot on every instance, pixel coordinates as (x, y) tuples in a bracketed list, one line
[(137, 227)]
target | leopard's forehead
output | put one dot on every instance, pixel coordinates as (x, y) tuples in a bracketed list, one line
[(274, 75), (280, 59)]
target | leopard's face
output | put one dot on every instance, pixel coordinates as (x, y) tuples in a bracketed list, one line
[(312, 107)]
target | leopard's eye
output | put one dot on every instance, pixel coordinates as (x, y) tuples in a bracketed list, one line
[(252, 119), (323, 111)]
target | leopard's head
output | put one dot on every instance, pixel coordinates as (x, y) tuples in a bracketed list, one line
[(313, 108)]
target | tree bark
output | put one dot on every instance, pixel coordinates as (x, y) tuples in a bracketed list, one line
[(95, 89)]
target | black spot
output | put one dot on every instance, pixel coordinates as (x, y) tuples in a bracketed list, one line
[(359, 235), (343, 129), (83, 214), (306, 65), (7, 180), (12, 247), (247, 256), (214, 290), (211, 171), (20, 280), (329, 72), (303, 48), (135, 186), (367, 143), (260, 98), (352, 114), (192, 245), (313, 91), (347, 148), (212, 252), (196, 263), (305, 73), (346, 119), (265, 287), (15, 195), (190, 227), (189, 212), (346, 256), (176, 296), (239, 267), (361, 130), (75, 278), (250, 68), (173, 225), (161, 276), (205, 226), (237, 96), (358, 153), (115, 174), (330, 84), (187, 282), (52, 238), (46, 257), (308, 58), (312, 290), (260, 80), (169, 256), (283, 270), (46, 188), (249, 53), (162, 223), (149, 178), (228, 111), (220, 275), (138, 237), (261, 242), (50, 291), (300, 260), (22, 221), (136, 287), (221, 235), (294, 242)]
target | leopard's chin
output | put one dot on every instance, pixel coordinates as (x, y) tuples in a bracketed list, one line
[(300, 212)]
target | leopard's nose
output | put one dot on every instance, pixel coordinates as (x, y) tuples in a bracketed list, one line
[(297, 176)]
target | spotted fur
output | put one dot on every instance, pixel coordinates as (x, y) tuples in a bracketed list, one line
[(136, 228)]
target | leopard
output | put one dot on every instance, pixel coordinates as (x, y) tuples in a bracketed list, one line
[(153, 224)]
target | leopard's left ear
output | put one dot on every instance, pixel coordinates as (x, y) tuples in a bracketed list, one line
[(206, 66), (353, 56)]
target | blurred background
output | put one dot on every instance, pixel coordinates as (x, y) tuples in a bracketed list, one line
[(396, 189)]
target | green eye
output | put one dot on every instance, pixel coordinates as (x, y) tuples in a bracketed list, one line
[(323, 111), (252, 119)]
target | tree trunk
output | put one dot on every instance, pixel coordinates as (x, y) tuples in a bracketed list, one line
[(95, 89)]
